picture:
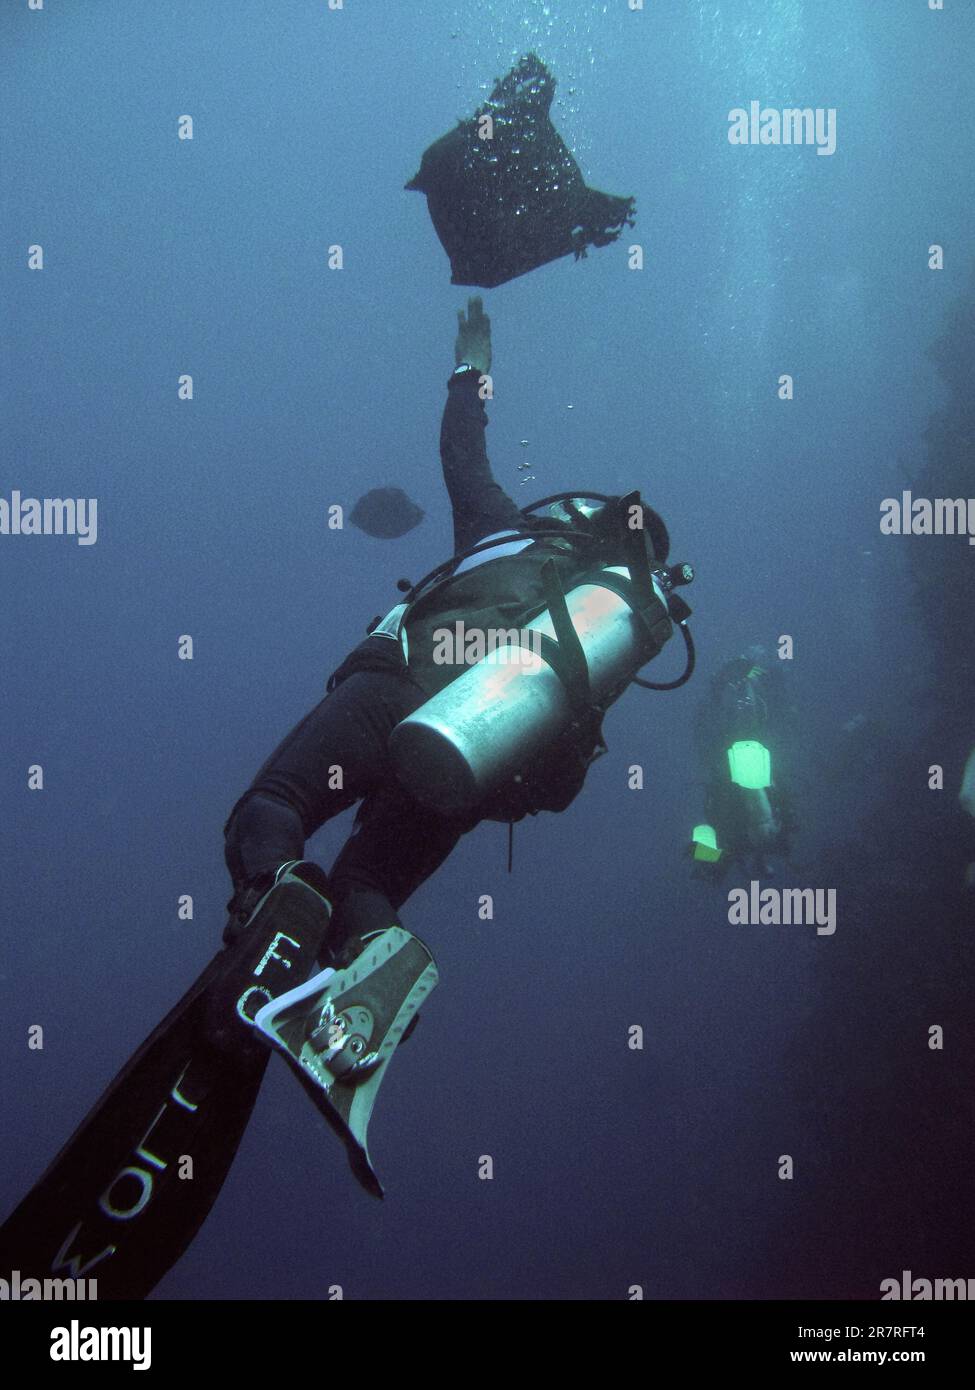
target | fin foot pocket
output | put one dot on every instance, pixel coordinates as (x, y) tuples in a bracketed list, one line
[(275, 948), (339, 1030)]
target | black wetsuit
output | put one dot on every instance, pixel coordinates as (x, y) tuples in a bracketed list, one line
[(396, 842)]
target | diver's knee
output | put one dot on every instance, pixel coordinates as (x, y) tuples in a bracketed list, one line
[(261, 832)]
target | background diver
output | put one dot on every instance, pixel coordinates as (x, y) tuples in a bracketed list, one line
[(318, 965), (740, 735)]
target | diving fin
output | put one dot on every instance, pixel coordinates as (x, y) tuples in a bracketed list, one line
[(339, 1030), (128, 1192), (704, 844)]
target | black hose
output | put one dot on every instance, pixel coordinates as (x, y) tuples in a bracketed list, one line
[(685, 632)]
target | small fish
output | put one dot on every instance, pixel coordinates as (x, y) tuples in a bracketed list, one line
[(386, 512)]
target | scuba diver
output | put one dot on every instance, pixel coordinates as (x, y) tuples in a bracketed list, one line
[(383, 722), (739, 734), (429, 741)]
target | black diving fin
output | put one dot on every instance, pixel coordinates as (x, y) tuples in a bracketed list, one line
[(128, 1192)]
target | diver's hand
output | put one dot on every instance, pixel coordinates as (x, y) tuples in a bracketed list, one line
[(473, 343)]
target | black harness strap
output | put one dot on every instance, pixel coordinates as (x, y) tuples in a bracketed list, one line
[(564, 654), (652, 615)]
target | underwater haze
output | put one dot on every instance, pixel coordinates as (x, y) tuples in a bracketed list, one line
[(636, 1067)]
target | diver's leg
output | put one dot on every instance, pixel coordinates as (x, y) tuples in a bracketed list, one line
[(113, 1199), (396, 845), (335, 756), (339, 1030)]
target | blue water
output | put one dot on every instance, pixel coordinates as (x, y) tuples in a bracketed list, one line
[(613, 1168)]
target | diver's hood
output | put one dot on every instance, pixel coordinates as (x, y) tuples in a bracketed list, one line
[(574, 508), (602, 517)]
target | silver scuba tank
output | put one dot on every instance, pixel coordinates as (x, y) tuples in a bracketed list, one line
[(488, 724)]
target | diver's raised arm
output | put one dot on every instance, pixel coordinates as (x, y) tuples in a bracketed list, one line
[(480, 506), (473, 345)]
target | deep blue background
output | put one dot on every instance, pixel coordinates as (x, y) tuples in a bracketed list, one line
[(208, 257)]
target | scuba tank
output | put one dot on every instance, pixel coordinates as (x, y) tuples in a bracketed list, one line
[(750, 766), (577, 657)]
